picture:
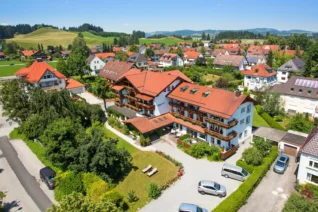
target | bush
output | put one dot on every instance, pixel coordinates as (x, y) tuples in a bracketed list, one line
[(262, 145), (68, 183), (94, 186), (132, 197), (233, 202), (252, 156), (200, 150), (159, 132), (259, 109), (114, 197), (309, 191), (244, 165), (125, 129), (271, 122), (300, 204), (154, 191), (144, 141), (279, 117)]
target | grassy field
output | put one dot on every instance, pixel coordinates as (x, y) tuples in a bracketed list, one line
[(6, 62), (49, 36), (258, 120), (10, 70), (251, 41), (167, 41), (285, 121), (211, 77)]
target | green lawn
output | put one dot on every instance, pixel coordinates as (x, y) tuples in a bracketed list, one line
[(258, 120), (285, 121), (211, 77), (167, 41), (251, 41), (8, 62), (121, 143), (9, 70)]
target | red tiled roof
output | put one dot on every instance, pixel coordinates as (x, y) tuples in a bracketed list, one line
[(234, 60), (115, 69), (72, 83), (290, 52), (219, 102), (261, 70), (152, 63), (1, 54), (167, 56), (161, 51), (130, 53), (191, 55), (144, 97), (229, 46), (116, 49), (145, 125), (35, 72), (189, 125), (28, 53), (185, 43), (105, 55), (117, 87), (153, 83), (264, 47), (188, 49)]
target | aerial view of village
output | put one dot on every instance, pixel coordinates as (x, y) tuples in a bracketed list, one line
[(167, 106)]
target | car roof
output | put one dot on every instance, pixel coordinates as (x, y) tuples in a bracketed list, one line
[(231, 166), (283, 157), (207, 182), (188, 207), (47, 171)]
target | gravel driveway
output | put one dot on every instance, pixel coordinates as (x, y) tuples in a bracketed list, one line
[(185, 189)]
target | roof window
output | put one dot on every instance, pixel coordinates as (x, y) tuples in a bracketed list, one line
[(194, 90), (155, 121), (206, 94), (160, 119), (184, 88)]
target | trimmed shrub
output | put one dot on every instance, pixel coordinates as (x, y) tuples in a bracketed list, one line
[(132, 197), (300, 204), (244, 165), (259, 109), (154, 191), (114, 197), (271, 122), (200, 150), (235, 201), (252, 156), (96, 189), (262, 145), (144, 141)]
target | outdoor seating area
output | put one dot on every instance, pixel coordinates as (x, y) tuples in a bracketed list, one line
[(149, 170)]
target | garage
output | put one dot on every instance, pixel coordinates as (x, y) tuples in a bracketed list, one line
[(290, 150)]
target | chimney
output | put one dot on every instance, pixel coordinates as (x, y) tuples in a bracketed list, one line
[(237, 93), (256, 70)]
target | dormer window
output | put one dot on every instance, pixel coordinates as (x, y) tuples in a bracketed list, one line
[(300, 90), (291, 89), (309, 92), (194, 90), (184, 88), (206, 94)]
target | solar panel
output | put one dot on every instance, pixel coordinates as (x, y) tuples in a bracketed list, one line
[(307, 83)]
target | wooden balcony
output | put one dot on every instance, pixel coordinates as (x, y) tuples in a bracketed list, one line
[(188, 119), (222, 124), (119, 104), (229, 152), (220, 136), (51, 88), (133, 107), (145, 106), (128, 87), (130, 97)]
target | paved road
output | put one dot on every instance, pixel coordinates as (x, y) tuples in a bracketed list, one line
[(185, 189), (273, 191), (28, 181)]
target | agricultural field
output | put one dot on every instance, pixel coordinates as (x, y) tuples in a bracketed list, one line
[(7, 70), (54, 37), (166, 41), (251, 41)]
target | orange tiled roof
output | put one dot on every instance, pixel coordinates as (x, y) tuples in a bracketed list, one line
[(35, 72), (144, 97), (188, 49), (191, 55), (264, 47), (261, 70), (117, 87), (116, 49), (152, 63), (28, 53), (167, 56), (229, 46), (130, 53), (72, 83), (218, 102), (105, 55), (290, 52)]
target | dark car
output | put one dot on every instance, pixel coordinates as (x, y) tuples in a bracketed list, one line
[(47, 175), (281, 164)]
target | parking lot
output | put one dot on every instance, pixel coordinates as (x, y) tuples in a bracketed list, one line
[(185, 189)]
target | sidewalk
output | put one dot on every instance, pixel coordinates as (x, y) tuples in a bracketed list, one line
[(129, 140)]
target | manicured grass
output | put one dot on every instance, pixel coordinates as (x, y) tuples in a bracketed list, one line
[(167, 41), (8, 62), (9, 70), (285, 121), (121, 143), (258, 120), (35, 147), (52, 64), (211, 77), (54, 37), (251, 41), (139, 182)]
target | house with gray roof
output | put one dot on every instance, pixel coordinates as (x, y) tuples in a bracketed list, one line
[(308, 164), (237, 61), (139, 60), (292, 65)]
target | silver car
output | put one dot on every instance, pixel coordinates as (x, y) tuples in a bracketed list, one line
[(185, 207), (234, 172), (281, 164), (211, 187)]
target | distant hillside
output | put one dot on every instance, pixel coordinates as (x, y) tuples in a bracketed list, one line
[(188, 32), (166, 41), (55, 37)]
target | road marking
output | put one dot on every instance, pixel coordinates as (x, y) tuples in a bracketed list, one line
[(275, 193), (280, 190), (284, 196)]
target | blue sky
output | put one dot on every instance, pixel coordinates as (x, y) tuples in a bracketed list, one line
[(164, 15)]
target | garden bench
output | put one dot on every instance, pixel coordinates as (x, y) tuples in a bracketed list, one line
[(152, 172), (147, 168)]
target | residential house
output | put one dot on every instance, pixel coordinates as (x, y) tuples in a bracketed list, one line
[(217, 52), (42, 75), (32, 53), (292, 65), (106, 56), (190, 58), (65, 54), (2, 56), (116, 49), (259, 77), (299, 95), (139, 60), (229, 46), (115, 69), (185, 44), (95, 64), (158, 54), (252, 60), (142, 49), (169, 59), (290, 52), (308, 164), (266, 48), (206, 43), (153, 66), (236, 61), (155, 46)]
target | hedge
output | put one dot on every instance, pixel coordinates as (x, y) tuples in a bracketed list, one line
[(238, 198), (271, 122), (259, 109), (244, 165)]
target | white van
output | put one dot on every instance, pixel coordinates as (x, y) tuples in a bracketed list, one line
[(234, 172)]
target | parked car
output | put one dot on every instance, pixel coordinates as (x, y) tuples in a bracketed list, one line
[(281, 164), (211, 187), (234, 172), (47, 175), (185, 207)]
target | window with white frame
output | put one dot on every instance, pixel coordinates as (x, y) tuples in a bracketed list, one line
[(242, 121), (248, 119), (243, 110), (249, 107), (240, 136), (312, 178), (313, 164), (245, 133)]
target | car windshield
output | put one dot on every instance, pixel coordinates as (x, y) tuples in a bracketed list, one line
[(199, 209), (217, 186), (280, 164), (244, 172)]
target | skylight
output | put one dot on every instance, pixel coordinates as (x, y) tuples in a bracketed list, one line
[(194, 90), (205, 94), (184, 88)]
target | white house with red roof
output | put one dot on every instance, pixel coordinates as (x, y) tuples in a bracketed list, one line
[(169, 59), (259, 77), (191, 56), (42, 75)]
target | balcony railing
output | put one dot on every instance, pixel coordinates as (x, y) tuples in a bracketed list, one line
[(188, 119), (222, 124), (119, 104), (133, 107), (128, 87), (50, 88), (220, 136), (147, 107), (130, 97)]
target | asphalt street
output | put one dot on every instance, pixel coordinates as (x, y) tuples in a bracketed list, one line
[(28, 181)]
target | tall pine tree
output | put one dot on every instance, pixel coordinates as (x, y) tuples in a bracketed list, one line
[(270, 58), (308, 66)]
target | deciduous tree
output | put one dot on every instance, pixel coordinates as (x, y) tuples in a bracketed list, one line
[(122, 56), (134, 48), (308, 66), (270, 58)]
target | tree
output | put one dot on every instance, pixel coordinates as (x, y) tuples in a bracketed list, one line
[(203, 50), (208, 37), (122, 56), (252, 156), (308, 66), (263, 146), (39, 47), (103, 90), (222, 83), (61, 66), (179, 51), (270, 58), (80, 35), (78, 202), (69, 47), (115, 42), (194, 45), (2, 196), (272, 104), (134, 48), (297, 54), (203, 36), (300, 123), (33, 127), (149, 53), (76, 64)]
